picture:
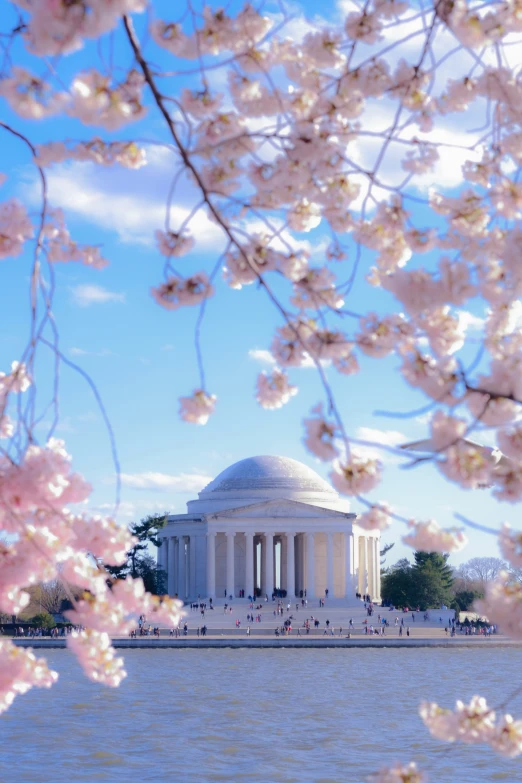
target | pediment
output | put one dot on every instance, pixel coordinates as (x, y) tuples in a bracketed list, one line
[(280, 508)]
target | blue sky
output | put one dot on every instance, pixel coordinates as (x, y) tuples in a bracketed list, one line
[(141, 357)]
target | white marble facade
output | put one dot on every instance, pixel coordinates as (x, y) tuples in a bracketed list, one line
[(269, 523)]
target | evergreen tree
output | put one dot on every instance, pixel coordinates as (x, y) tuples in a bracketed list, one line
[(139, 562)]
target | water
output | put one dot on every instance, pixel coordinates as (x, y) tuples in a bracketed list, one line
[(276, 716)]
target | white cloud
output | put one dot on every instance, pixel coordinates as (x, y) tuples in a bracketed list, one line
[(470, 322), (262, 356), (388, 438), (184, 482), (86, 294), (130, 203), (74, 351)]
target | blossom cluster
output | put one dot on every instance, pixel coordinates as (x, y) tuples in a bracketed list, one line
[(472, 724)]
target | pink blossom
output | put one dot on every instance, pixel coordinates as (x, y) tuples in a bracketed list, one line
[(376, 518), (103, 538), (170, 36), (364, 27), (274, 389), (506, 737), (31, 97), (15, 228), (356, 475), (20, 670), (289, 344), (430, 537), (320, 435), (446, 430), (322, 49), (183, 292), (510, 442), (436, 378), (467, 464), (200, 104), (399, 773), (97, 657), (510, 544), (502, 604), (421, 159), (96, 102), (127, 153), (58, 27), (198, 408), (380, 336), (508, 482), (317, 289), (470, 723), (175, 245)]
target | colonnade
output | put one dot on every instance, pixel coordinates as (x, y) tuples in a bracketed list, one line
[(190, 563)]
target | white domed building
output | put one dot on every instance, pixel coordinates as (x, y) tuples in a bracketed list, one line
[(265, 524)]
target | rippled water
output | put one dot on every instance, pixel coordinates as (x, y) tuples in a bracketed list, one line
[(277, 716)]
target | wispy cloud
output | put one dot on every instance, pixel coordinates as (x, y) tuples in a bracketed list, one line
[(390, 439), (262, 356), (75, 351), (85, 295), (184, 482), (130, 203)]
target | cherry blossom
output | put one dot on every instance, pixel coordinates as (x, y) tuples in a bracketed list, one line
[(96, 102), (175, 245), (198, 408), (20, 670), (274, 389), (179, 292), (97, 657), (470, 723), (506, 737), (510, 544), (399, 773), (502, 604), (15, 228), (127, 154), (376, 518), (430, 537), (30, 96), (320, 435), (356, 475)]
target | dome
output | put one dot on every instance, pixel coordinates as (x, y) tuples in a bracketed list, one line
[(268, 473), (262, 478)]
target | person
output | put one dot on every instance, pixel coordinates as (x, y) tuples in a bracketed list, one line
[(248, 630), (400, 630), (408, 631), (351, 623)]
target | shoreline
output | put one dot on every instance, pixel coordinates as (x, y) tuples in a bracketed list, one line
[(272, 643)]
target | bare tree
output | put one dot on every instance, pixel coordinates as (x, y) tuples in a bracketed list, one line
[(481, 569), (50, 595)]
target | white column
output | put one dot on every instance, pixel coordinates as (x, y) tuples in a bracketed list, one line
[(329, 565), (192, 566), (376, 569), (269, 564), (181, 568), (171, 584), (290, 565), (348, 563), (249, 564), (310, 565), (365, 564), (211, 565), (230, 564), (378, 589)]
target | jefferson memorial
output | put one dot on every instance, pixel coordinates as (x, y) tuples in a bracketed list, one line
[(266, 524)]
